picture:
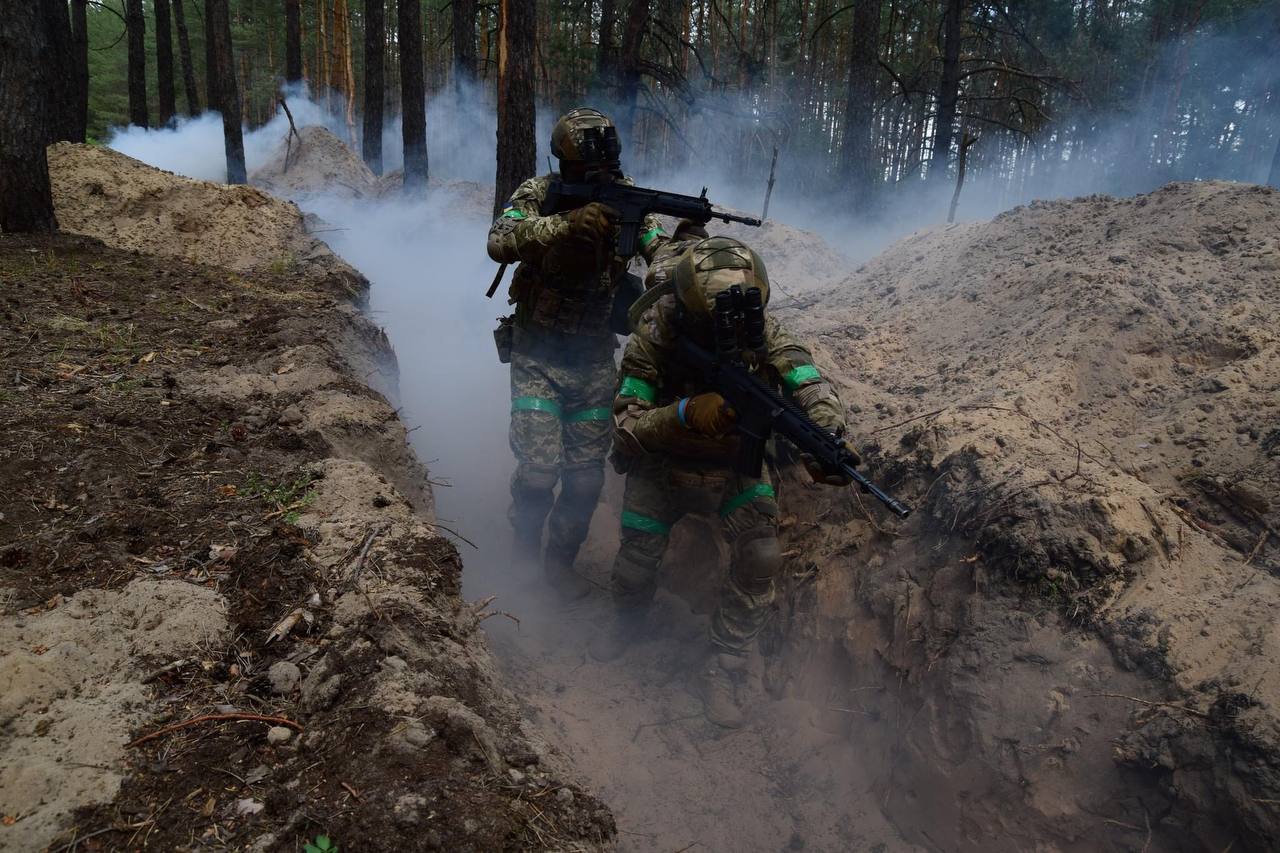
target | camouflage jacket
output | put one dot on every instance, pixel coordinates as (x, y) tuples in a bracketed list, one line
[(645, 409), (554, 289)]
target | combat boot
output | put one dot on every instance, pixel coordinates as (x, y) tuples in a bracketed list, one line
[(561, 576), (619, 635), (719, 689)]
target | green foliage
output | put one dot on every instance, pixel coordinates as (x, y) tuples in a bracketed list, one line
[(322, 844), (289, 497)]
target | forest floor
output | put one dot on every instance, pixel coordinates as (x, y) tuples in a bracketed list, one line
[(210, 518)]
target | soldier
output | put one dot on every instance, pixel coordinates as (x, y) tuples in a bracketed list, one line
[(674, 439), (562, 365)]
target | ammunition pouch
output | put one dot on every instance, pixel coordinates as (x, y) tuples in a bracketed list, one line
[(630, 288), (504, 337)]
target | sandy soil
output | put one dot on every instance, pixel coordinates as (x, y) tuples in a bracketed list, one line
[(125, 203), (209, 511), (1081, 396)]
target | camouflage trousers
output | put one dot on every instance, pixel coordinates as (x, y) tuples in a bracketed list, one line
[(561, 424), (659, 492)]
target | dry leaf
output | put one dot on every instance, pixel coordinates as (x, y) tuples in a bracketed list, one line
[(227, 491), (39, 650), (283, 370), (8, 820), (223, 553)]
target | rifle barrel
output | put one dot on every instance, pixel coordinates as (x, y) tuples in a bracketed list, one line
[(894, 505)]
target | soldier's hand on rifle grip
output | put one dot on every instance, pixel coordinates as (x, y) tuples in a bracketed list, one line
[(822, 476), (592, 223), (707, 414)]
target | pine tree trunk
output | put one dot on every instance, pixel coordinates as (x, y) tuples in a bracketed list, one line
[(948, 90), (184, 53), (604, 56), (293, 41), (1274, 177), (136, 26), (26, 199), (628, 69), (164, 63), (217, 21), (860, 165), (517, 143), (80, 61), (374, 84), (413, 95), (61, 72), (464, 44)]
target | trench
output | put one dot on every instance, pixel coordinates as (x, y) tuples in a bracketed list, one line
[(901, 700)]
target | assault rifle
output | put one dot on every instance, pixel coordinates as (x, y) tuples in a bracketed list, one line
[(738, 320), (633, 205)]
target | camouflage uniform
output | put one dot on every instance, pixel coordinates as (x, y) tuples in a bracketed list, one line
[(562, 371), (672, 470)]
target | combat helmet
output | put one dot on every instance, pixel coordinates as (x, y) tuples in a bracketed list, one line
[(585, 135), (714, 265)]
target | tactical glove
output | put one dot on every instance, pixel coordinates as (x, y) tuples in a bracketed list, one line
[(707, 414), (592, 223), (824, 477)]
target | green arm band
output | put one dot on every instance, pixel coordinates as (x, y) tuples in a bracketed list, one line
[(512, 213), (536, 404), (801, 375), (738, 501), (603, 413), (644, 523), (634, 386)]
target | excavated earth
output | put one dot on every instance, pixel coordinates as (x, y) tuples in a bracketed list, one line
[(1070, 646), (210, 517), (1074, 638)]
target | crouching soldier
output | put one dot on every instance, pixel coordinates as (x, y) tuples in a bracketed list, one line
[(674, 438)]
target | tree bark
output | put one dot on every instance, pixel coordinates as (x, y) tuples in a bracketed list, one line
[(80, 61), (948, 90), (517, 143), (293, 41), (628, 70), (1274, 177), (136, 27), (164, 63), (60, 72), (605, 59), (184, 53), (413, 95), (464, 44), (859, 161), (217, 21), (374, 84), (26, 199)]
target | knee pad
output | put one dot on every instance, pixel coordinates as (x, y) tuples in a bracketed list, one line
[(582, 484), (635, 569), (757, 560), (532, 478)]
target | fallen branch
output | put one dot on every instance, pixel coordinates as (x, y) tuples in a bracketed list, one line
[(358, 566), (1176, 707), (211, 718)]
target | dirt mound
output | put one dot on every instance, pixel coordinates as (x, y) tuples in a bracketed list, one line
[(130, 205), (318, 162), (1082, 396)]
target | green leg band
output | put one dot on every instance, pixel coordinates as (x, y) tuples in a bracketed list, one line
[(603, 413), (644, 523), (536, 404), (746, 496)]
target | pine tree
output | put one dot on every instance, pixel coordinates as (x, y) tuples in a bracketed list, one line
[(26, 197), (413, 95), (374, 86), (217, 20), (136, 28), (517, 144)]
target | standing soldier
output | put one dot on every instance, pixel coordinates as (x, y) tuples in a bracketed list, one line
[(674, 439), (562, 365)]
